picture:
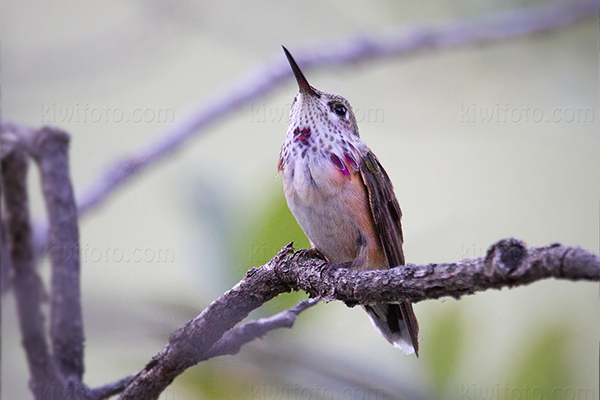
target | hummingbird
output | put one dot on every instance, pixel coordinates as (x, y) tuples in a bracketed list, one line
[(343, 199)]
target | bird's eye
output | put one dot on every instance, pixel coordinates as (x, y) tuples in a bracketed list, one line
[(338, 108)]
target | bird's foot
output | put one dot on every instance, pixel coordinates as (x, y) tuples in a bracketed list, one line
[(311, 253), (330, 268)]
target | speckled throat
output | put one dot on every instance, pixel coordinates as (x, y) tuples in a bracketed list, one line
[(314, 135)]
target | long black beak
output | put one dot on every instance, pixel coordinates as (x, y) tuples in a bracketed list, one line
[(302, 82)]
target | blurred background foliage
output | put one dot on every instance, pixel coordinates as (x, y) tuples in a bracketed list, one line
[(272, 229), (203, 217)]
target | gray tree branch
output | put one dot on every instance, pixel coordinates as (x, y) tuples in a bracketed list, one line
[(507, 263), (49, 147), (29, 289), (348, 51), (57, 374)]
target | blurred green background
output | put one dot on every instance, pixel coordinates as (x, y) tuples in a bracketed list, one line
[(185, 231)]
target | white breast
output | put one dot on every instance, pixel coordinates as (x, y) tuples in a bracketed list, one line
[(320, 198)]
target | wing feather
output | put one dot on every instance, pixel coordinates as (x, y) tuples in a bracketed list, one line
[(386, 215)]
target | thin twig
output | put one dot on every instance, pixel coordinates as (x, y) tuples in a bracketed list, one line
[(49, 147), (507, 263), (265, 78), (232, 341), (108, 390)]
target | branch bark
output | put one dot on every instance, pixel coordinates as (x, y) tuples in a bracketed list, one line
[(507, 263), (348, 51)]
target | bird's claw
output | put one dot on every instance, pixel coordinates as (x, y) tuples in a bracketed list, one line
[(311, 253), (330, 268)]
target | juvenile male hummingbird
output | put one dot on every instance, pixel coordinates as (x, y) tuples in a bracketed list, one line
[(343, 199)]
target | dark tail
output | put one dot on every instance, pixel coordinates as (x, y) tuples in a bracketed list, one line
[(397, 323)]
